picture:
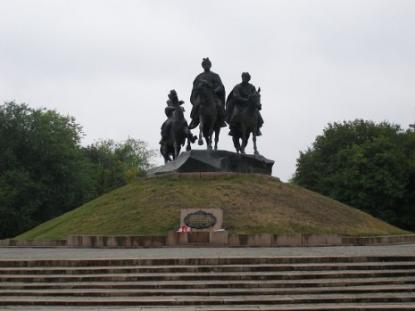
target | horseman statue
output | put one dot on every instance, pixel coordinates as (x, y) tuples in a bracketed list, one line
[(175, 129), (243, 115), (208, 100)]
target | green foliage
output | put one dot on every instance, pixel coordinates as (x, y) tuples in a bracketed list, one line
[(116, 164), (42, 170), (367, 165), (45, 172)]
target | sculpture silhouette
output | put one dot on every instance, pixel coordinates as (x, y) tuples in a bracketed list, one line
[(208, 106), (242, 114), (174, 130)]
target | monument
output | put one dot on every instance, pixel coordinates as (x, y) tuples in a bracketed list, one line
[(202, 219), (243, 114), (174, 131), (208, 100), (210, 112)]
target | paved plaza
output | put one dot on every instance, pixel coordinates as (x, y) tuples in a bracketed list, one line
[(189, 252)]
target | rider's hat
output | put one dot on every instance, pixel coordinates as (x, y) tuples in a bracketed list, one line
[(206, 61), (246, 74)]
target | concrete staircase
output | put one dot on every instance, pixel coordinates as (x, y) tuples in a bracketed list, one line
[(277, 283)]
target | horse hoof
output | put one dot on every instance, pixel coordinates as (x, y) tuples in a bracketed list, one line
[(200, 142), (188, 148)]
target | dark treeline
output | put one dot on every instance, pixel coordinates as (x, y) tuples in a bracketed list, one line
[(44, 171), (367, 165)]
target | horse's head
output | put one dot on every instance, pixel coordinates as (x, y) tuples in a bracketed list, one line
[(205, 92), (203, 86), (178, 113), (255, 99)]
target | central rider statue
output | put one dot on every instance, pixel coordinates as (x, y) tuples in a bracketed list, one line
[(215, 83), (241, 93)]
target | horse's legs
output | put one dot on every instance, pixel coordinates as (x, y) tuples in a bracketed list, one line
[(254, 141), (164, 153), (208, 138), (242, 147), (200, 141), (166, 159), (188, 147), (244, 142), (217, 131), (175, 150), (245, 136), (207, 133), (236, 143), (190, 139)]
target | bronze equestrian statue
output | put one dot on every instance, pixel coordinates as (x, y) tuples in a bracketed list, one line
[(175, 129), (243, 115), (208, 100)]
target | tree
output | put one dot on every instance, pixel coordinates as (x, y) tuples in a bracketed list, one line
[(115, 164), (370, 166), (43, 172)]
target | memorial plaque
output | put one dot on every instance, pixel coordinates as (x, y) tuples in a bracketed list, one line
[(200, 220)]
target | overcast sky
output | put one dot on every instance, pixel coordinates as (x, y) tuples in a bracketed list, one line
[(111, 64)]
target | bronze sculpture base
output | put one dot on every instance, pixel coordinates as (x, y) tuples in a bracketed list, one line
[(215, 161)]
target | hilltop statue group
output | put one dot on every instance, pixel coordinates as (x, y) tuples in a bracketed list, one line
[(210, 111)]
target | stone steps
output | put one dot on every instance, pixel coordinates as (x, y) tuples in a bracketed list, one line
[(264, 283), (203, 261), (291, 275), (209, 300), (310, 283), (166, 285), (90, 292), (209, 268)]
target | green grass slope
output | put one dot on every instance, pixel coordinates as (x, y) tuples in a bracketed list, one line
[(251, 204)]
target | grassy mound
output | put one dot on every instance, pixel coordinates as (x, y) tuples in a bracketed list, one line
[(251, 204)]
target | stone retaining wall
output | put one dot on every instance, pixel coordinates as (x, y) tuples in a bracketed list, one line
[(378, 240), (115, 241), (35, 243), (225, 239)]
